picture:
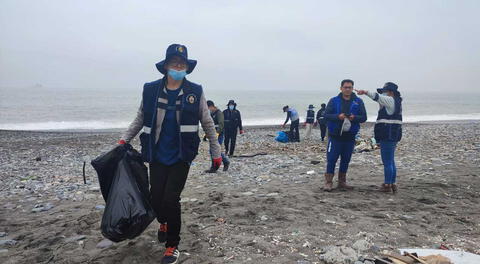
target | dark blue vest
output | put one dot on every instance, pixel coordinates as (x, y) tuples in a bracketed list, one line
[(389, 127), (188, 105), (335, 126), (310, 116)]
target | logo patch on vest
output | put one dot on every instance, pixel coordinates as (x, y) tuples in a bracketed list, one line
[(191, 98)]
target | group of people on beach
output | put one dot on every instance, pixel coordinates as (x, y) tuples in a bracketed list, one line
[(342, 116), (172, 107)]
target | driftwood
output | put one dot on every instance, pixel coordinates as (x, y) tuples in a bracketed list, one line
[(250, 155)]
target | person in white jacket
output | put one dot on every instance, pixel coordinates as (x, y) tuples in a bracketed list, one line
[(388, 129)]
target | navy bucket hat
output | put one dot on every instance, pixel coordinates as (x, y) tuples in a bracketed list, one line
[(389, 86), (176, 50)]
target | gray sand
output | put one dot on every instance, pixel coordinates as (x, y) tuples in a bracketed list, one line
[(267, 209)]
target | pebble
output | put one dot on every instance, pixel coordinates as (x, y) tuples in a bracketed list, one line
[(94, 189), (100, 207), (8, 242), (104, 243), (362, 245), (247, 193), (339, 254), (3, 250), (272, 194), (264, 218), (40, 208)]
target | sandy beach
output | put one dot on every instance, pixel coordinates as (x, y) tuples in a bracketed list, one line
[(265, 209)]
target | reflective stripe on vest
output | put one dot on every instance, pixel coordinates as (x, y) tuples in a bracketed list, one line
[(389, 121), (147, 130), (189, 128)]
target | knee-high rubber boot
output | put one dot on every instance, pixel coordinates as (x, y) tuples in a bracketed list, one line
[(342, 182), (328, 182)]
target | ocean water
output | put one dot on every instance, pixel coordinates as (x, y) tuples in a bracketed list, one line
[(44, 108)]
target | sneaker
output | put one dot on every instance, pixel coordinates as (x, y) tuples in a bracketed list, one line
[(162, 233), (171, 255)]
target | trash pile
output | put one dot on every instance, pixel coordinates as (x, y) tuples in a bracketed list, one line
[(365, 252), (365, 145)]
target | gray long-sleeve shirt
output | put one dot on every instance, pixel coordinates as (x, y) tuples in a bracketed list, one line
[(205, 120), (384, 101)]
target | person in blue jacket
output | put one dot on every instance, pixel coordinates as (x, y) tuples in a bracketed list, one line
[(388, 129), (344, 113)]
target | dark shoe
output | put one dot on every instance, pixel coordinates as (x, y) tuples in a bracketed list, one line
[(226, 165), (342, 182), (328, 182), (171, 255), (386, 188), (162, 233), (211, 170), (394, 188)]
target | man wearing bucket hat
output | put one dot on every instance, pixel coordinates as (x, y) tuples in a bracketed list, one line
[(309, 121), (169, 114), (388, 129), (233, 123), (344, 113)]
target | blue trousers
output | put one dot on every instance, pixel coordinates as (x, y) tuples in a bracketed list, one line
[(336, 149), (387, 151)]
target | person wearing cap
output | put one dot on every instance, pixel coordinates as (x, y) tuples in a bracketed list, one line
[(344, 113), (388, 129), (292, 115), (309, 121), (233, 123), (322, 122), (218, 120), (169, 114)]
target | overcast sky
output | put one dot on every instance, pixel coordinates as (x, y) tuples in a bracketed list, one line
[(421, 45)]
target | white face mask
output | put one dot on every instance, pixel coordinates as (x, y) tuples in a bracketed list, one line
[(231, 107)]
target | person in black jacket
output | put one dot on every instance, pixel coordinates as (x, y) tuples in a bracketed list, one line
[(233, 123), (322, 122), (309, 121)]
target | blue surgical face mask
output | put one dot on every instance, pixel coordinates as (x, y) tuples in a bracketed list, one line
[(231, 107), (177, 75)]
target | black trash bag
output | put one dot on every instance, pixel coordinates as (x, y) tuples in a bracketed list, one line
[(124, 183)]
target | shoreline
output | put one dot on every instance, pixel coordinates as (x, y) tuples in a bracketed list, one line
[(116, 130)]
